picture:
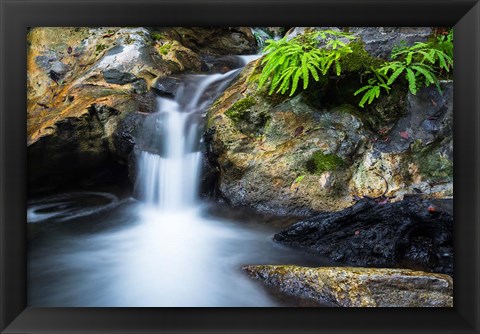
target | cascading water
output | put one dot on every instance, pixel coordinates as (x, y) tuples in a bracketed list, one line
[(169, 179), (166, 250)]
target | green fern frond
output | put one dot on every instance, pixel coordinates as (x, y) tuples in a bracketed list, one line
[(412, 82), (395, 75)]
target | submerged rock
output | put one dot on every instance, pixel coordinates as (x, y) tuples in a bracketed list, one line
[(413, 233), (359, 287)]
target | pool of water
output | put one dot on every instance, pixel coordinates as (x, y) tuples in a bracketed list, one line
[(92, 249)]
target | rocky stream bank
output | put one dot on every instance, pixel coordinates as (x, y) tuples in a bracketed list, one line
[(372, 187)]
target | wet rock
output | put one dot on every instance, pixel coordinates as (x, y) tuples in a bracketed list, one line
[(216, 41), (413, 233), (167, 85), (209, 177), (74, 149), (262, 144), (126, 134), (415, 155), (117, 77), (222, 64), (358, 287), (429, 117), (72, 71), (379, 41)]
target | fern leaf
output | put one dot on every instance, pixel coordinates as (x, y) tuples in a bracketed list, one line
[(428, 75), (362, 89), (364, 99), (412, 83), (285, 80), (296, 77), (427, 56), (313, 71), (395, 75), (338, 68), (408, 59), (305, 72), (372, 94), (387, 88)]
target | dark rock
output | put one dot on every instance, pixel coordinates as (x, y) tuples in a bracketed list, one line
[(408, 234), (429, 117), (379, 41), (59, 68), (117, 77), (52, 66), (140, 86), (217, 41), (358, 287), (209, 180), (76, 148), (167, 85), (222, 64), (127, 131), (150, 138)]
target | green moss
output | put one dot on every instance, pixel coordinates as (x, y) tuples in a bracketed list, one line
[(99, 48), (320, 162), (238, 109), (436, 167), (431, 163), (158, 36), (165, 48), (359, 60)]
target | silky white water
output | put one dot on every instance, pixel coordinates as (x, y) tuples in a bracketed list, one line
[(169, 180), (164, 249)]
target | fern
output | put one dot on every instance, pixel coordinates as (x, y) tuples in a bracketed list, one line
[(301, 58), (373, 89), (420, 65)]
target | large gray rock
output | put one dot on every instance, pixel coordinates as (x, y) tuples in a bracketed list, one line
[(379, 41), (359, 287), (416, 154)]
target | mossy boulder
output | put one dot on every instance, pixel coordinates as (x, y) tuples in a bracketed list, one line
[(358, 287), (261, 144)]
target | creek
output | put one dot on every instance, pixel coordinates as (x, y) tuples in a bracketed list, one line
[(164, 247)]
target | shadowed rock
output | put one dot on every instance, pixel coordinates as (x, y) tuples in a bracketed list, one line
[(412, 233)]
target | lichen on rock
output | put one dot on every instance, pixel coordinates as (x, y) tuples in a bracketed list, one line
[(358, 287)]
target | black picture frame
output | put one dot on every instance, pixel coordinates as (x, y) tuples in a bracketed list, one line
[(17, 15)]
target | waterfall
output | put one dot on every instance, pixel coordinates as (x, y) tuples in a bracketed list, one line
[(168, 176)]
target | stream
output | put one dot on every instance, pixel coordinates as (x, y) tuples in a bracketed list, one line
[(164, 247)]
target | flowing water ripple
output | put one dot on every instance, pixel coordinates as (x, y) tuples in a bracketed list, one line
[(68, 206)]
